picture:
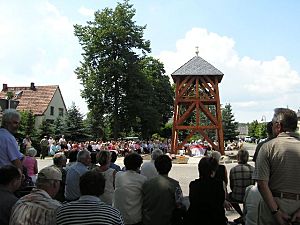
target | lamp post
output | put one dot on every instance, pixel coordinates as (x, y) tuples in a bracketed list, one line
[(264, 126)]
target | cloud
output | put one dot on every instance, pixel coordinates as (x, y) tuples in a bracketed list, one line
[(276, 77), (37, 44), (253, 87), (246, 104), (41, 49), (86, 12)]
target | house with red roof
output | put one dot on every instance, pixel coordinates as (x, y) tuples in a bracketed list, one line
[(45, 102)]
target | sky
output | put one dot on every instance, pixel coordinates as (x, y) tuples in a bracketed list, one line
[(254, 43)]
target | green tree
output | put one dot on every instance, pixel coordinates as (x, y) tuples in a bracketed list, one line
[(149, 102), (58, 127), (27, 124), (252, 127), (9, 95), (45, 129), (262, 130), (161, 89), (229, 125), (166, 131), (75, 129), (93, 127), (112, 44), (27, 127), (204, 119), (257, 130)]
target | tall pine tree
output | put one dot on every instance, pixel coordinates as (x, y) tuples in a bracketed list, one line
[(75, 129), (58, 127), (112, 44), (229, 125), (148, 104), (27, 124)]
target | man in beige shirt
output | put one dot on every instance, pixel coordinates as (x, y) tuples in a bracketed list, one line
[(277, 172)]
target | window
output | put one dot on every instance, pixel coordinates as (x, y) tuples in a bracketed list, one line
[(48, 121), (60, 111), (51, 110)]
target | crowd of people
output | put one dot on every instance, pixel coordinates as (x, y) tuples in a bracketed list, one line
[(90, 188), (49, 146)]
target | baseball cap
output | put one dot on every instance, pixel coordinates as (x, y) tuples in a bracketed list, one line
[(50, 173)]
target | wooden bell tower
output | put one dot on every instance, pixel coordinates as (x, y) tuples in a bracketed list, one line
[(197, 109)]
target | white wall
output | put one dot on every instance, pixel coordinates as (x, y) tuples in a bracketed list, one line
[(38, 121), (56, 102)]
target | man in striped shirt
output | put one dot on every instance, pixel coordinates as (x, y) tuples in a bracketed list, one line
[(89, 209)]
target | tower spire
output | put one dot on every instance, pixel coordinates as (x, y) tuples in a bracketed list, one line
[(197, 50)]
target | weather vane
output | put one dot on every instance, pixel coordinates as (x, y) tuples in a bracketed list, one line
[(197, 50)]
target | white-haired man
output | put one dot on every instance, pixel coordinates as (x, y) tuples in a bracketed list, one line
[(9, 150), (72, 191), (148, 168)]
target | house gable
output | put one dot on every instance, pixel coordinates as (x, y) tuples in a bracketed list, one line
[(56, 106), (33, 98), (38, 100)]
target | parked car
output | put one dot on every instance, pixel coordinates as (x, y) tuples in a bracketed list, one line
[(248, 139)]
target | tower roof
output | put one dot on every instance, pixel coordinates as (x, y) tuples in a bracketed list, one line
[(197, 67)]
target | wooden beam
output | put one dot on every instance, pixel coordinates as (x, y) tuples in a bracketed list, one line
[(183, 82), (203, 101), (208, 114), (176, 112), (219, 116), (208, 140), (207, 86), (206, 127), (197, 114), (181, 91), (174, 142), (197, 104), (185, 140), (186, 114), (208, 80), (197, 87)]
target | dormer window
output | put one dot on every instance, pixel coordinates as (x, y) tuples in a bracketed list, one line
[(18, 94)]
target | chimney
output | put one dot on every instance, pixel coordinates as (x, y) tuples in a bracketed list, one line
[(4, 87), (32, 87)]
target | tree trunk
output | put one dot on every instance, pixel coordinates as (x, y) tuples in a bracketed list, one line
[(116, 110)]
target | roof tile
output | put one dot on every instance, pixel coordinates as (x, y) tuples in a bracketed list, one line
[(197, 66), (35, 100)]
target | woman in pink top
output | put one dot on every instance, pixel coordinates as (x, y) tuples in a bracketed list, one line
[(30, 163)]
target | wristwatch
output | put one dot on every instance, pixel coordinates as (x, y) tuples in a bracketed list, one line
[(275, 211)]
